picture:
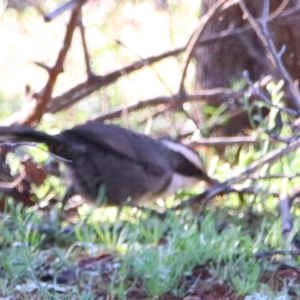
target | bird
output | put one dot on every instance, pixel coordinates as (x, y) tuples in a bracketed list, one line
[(128, 165)]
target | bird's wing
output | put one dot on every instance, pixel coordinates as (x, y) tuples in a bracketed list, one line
[(136, 147)]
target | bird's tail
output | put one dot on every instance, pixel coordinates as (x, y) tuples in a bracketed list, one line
[(25, 134), (22, 134)]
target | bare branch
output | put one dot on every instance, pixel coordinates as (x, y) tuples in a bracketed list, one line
[(224, 141), (281, 8), (284, 207), (70, 5), (255, 89), (32, 112), (85, 48), (275, 62), (171, 101), (271, 157), (36, 105), (267, 254)]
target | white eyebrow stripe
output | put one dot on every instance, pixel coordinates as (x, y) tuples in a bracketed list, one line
[(189, 154)]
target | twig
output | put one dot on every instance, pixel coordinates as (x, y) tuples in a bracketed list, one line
[(261, 29), (70, 5), (85, 48), (9, 186), (285, 213), (266, 254), (224, 141), (271, 157), (94, 83), (220, 93), (281, 8), (32, 112), (255, 89), (284, 207), (226, 186)]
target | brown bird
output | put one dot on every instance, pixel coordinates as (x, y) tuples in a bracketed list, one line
[(128, 165)]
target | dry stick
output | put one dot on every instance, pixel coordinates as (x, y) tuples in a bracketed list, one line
[(33, 111), (222, 93), (96, 82), (159, 77), (284, 207), (70, 5), (223, 141), (86, 88), (280, 8), (261, 29), (287, 226), (266, 254), (85, 48), (254, 89)]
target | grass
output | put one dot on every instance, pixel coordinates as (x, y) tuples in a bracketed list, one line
[(137, 253)]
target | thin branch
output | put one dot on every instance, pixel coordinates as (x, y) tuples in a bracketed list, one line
[(226, 186), (284, 207), (255, 89), (85, 48), (86, 88), (276, 65), (207, 95), (281, 8), (95, 83), (224, 141), (70, 5), (271, 157), (266, 254), (32, 112)]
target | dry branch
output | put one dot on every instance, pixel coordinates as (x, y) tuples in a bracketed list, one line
[(70, 5), (277, 67), (92, 84), (33, 111), (42, 101), (222, 94), (224, 141)]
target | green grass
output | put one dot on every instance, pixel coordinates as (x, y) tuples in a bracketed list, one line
[(147, 254)]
